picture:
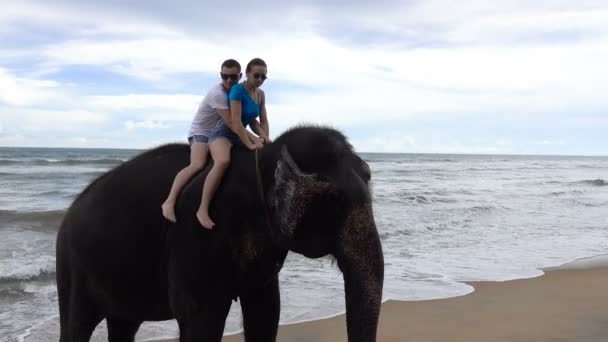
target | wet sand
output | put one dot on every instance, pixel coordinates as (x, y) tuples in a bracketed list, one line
[(568, 305)]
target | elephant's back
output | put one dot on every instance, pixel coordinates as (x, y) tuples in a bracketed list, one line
[(114, 231), (130, 194)]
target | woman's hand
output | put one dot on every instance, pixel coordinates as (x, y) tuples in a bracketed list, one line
[(265, 139), (255, 144), (259, 143)]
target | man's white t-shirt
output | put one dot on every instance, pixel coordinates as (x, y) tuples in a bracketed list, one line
[(206, 117)]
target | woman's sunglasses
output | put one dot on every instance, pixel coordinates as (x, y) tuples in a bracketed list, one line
[(263, 76), (233, 77)]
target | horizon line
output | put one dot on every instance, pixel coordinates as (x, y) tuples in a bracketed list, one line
[(366, 152)]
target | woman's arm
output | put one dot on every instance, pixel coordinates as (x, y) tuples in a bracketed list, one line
[(227, 117), (252, 136), (256, 128), (264, 116), (237, 125)]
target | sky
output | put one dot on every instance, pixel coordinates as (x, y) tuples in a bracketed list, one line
[(432, 76)]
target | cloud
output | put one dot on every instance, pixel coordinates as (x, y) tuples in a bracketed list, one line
[(41, 120), (18, 91), (356, 66), (551, 142), (396, 141), (163, 107), (147, 124)]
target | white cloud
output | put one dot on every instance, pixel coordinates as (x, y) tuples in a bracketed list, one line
[(477, 59), (147, 124), (47, 120), (395, 141), (387, 142), (550, 142), (17, 91), (147, 58), (462, 79), (171, 103)]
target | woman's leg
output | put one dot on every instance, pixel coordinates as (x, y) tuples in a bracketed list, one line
[(220, 152), (199, 153)]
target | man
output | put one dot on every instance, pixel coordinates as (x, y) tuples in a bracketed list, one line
[(210, 112)]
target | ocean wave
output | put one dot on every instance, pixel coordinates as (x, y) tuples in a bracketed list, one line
[(92, 173), (413, 160), (60, 193), (591, 166), (588, 203), (482, 208), (34, 288), (594, 182), (426, 197), (564, 193), (50, 217), (103, 161), (38, 162), (418, 199), (445, 200), (38, 175), (9, 161), (40, 269)]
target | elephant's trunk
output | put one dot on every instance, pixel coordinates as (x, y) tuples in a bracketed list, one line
[(361, 261)]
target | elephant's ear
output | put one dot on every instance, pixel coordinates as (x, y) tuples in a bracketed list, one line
[(293, 192)]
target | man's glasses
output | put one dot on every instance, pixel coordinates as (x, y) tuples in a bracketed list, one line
[(233, 77), (256, 76)]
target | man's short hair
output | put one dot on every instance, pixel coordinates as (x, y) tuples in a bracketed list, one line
[(231, 63)]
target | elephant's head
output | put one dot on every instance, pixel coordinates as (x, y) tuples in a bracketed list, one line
[(319, 203)]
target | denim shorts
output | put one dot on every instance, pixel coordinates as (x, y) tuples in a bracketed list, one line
[(198, 138), (221, 130)]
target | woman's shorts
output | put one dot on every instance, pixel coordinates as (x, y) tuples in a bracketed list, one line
[(219, 131), (223, 131)]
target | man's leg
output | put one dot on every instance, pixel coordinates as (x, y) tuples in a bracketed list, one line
[(220, 152)]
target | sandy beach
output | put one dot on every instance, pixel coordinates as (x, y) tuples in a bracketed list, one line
[(562, 305)]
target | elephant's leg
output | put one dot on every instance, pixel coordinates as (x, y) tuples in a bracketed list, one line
[(120, 330), (207, 323), (63, 294), (84, 315), (261, 309)]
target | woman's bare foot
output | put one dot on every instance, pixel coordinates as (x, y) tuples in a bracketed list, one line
[(169, 210), (205, 220)]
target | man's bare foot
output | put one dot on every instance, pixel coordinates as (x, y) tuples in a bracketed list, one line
[(169, 210), (204, 220)]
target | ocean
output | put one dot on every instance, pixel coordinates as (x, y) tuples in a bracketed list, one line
[(443, 220)]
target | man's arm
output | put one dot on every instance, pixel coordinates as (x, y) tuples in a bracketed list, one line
[(225, 115)]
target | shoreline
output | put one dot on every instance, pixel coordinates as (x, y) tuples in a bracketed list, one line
[(565, 303)]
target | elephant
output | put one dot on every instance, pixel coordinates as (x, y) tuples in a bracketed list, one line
[(307, 192)]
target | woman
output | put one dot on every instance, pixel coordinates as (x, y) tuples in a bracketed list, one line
[(247, 103)]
